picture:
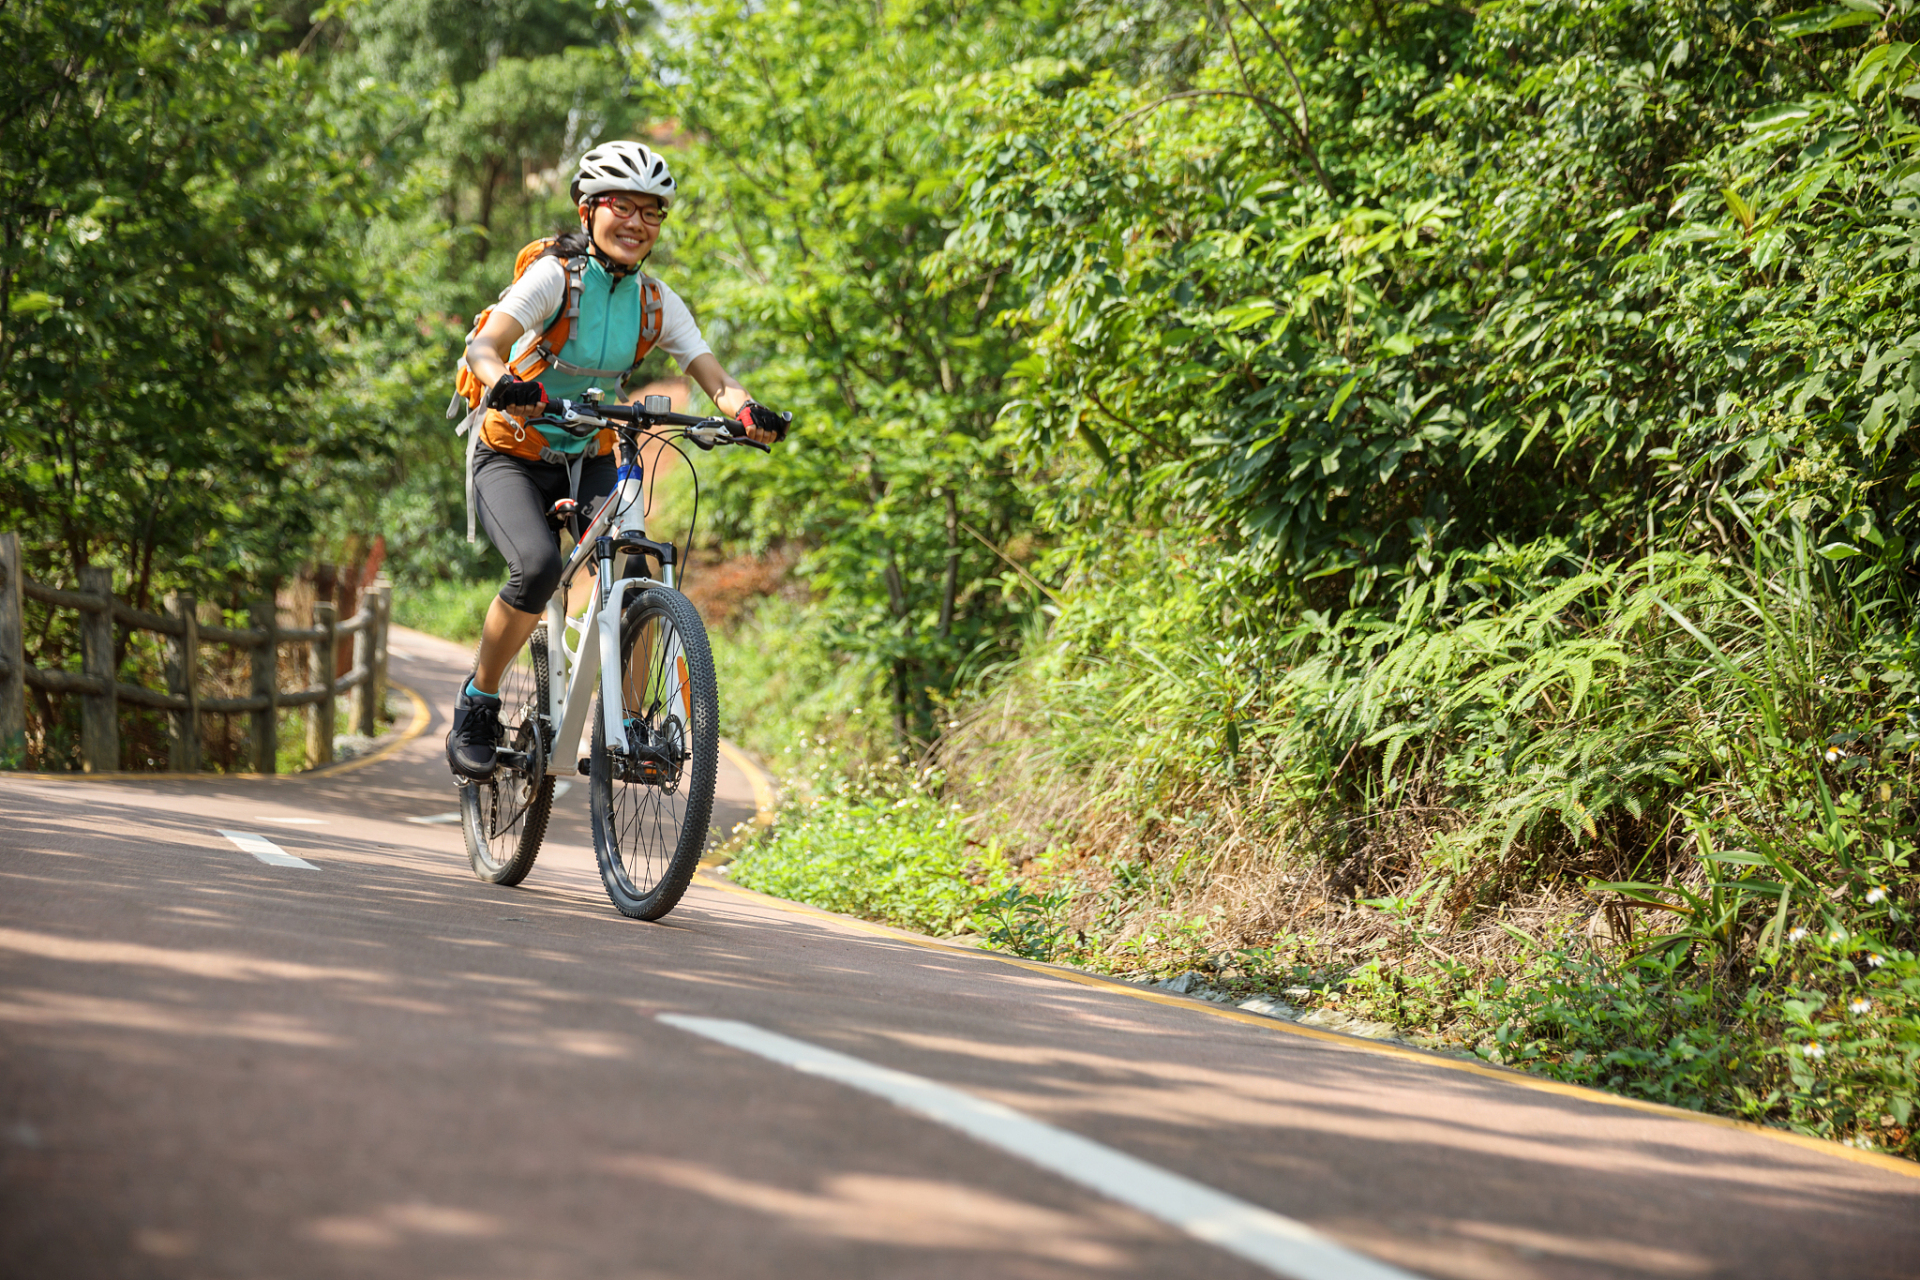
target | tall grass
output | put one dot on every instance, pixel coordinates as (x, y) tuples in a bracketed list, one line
[(450, 609)]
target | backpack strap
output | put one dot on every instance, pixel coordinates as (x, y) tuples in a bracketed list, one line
[(653, 314), (470, 428), (542, 354)]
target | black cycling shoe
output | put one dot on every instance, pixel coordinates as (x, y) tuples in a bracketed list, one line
[(473, 744)]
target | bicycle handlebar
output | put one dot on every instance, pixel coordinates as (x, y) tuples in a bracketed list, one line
[(583, 419)]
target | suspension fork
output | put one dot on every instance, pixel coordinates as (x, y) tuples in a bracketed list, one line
[(613, 561), (559, 658)]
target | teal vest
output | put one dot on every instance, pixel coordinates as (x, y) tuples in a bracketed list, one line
[(600, 347)]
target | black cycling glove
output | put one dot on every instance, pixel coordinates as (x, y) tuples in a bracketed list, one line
[(511, 393), (755, 414)]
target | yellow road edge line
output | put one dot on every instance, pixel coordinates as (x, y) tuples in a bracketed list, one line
[(763, 804), (422, 717), (1356, 1044)]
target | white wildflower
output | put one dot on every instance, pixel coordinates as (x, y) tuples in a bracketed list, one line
[(1874, 962), (1860, 1006), (1876, 895), (1837, 936), (1835, 755), (1815, 1052), (1798, 935)]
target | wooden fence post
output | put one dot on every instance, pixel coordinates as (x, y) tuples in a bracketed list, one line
[(360, 703), (99, 713), (383, 618), (264, 616), (13, 658), (183, 672), (320, 672)]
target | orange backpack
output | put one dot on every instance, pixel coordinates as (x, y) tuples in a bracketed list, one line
[(544, 353)]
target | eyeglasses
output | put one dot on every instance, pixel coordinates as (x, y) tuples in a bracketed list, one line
[(622, 207)]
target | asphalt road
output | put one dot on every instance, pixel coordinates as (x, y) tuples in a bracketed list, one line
[(374, 1065)]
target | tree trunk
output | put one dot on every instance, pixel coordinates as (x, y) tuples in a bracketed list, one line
[(950, 584)]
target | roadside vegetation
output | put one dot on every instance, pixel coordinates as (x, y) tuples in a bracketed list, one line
[(1397, 508), (1461, 573)]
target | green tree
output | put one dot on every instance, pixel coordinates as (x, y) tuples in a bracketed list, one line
[(819, 187), (178, 266)]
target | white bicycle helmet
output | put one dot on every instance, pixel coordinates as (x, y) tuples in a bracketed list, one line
[(623, 166)]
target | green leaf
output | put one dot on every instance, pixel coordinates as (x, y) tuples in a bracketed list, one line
[(26, 304), (1340, 399), (1888, 65), (1832, 17), (1741, 209)]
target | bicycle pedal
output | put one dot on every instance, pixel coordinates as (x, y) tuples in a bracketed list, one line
[(586, 766)]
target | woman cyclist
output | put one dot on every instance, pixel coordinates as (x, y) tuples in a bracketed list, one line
[(623, 191)]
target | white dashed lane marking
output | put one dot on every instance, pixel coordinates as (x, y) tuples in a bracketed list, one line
[(292, 822), (1278, 1244), (266, 850)]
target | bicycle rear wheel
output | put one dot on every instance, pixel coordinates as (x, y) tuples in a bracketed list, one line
[(652, 803), (505, 817)]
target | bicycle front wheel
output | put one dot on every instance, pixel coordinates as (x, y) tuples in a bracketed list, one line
[(505, 817), (652, 802)]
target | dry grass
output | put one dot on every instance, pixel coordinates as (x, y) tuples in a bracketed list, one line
[(1190, 867)]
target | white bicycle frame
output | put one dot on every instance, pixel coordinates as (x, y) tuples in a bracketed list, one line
[(595, 653)]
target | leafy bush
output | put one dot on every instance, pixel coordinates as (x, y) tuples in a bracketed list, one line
[(1646, 1029), (451, 609), (1827, 1045), (905, 861), (1023, 922)]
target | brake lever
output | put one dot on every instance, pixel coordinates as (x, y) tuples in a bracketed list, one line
[(737, 434), (577, 425)]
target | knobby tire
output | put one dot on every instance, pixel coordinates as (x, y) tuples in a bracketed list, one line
[(503, 818)]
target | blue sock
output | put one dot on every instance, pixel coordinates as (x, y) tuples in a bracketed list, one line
[(474, 691)]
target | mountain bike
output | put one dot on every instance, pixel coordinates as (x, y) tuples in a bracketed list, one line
[(639, 647)]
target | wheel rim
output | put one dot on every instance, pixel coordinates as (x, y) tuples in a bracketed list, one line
[(646, 815)]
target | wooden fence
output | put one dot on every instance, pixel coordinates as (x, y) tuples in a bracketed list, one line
[(102, 691)]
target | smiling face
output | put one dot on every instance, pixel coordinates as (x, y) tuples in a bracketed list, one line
[(620, 227)]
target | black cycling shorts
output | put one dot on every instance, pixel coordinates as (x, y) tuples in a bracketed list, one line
[(513, 496)]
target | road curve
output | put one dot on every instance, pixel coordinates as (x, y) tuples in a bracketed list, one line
[(356, 1060)]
